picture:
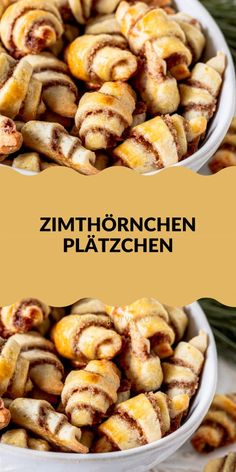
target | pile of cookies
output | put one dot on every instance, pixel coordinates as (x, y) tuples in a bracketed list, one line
[(95, 378), (225, 156), (90, 85)]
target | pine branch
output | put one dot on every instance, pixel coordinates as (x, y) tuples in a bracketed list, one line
[(223, 322), (224, 12)]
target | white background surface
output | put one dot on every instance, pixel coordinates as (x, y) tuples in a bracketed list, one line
[(186, 459)]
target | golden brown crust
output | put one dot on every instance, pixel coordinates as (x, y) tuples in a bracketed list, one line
[(103, 24), (138, 421), (224, 464), (84, 9), (141, 23), (14, 370), (160, 142), (10, 139), (88, 393), (219, 426), (221, 160), (52, 140), (194, 36), (141, 366), (153, 323), (96, 395), (198, 96), (226, 154), (59, 93), (5, 415), (39, 417), (29, 161), (45, 369), (86, 337), (103, 116), (181, 372), (20, 92), (20, 438), (24, 315), (157, 87), (29, 27), (101, 58)]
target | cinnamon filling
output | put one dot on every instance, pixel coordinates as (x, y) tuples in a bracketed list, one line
[(34, 42), (31, 347), (73, 150), (20, 320), (42, 417), (61, 82), (50, 68), (228, 147), (59, 425), (110, 138), (125, 386), (95, 414), (147, 147), (209, 108), (160, 338), (96, 49), (7, 126), (181, 363), (191, 387), (198, 84), (10, 71), (108, 114), (175, 423), (56, 135), (169, 123), (203, 442), (140, 108), (176, 59), (99, 323), (121, 62), (133, 425), (152, 399), (110, 441), (39, 362), (94, 390)]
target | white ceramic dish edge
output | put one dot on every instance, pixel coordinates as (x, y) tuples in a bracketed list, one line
[(139, 459)]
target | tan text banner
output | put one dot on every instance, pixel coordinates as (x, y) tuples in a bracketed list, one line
[(34, 263)]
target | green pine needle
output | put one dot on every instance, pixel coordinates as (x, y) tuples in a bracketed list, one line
[(224, 12), (223, 322)]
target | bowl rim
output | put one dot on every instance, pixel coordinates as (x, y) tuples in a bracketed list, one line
[(220, 131), (189, 426)]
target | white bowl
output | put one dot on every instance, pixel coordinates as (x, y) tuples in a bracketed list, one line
[(139, 459), (220, 123)]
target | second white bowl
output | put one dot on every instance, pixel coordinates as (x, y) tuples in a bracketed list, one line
[(139, 459)]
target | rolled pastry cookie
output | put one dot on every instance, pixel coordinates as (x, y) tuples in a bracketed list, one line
[(103, 116), (24, 315), (160, 142), (10, 139), (86, 337), (39, 417), (89, 393), (52, 140), (140, 420), (29, 27)]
